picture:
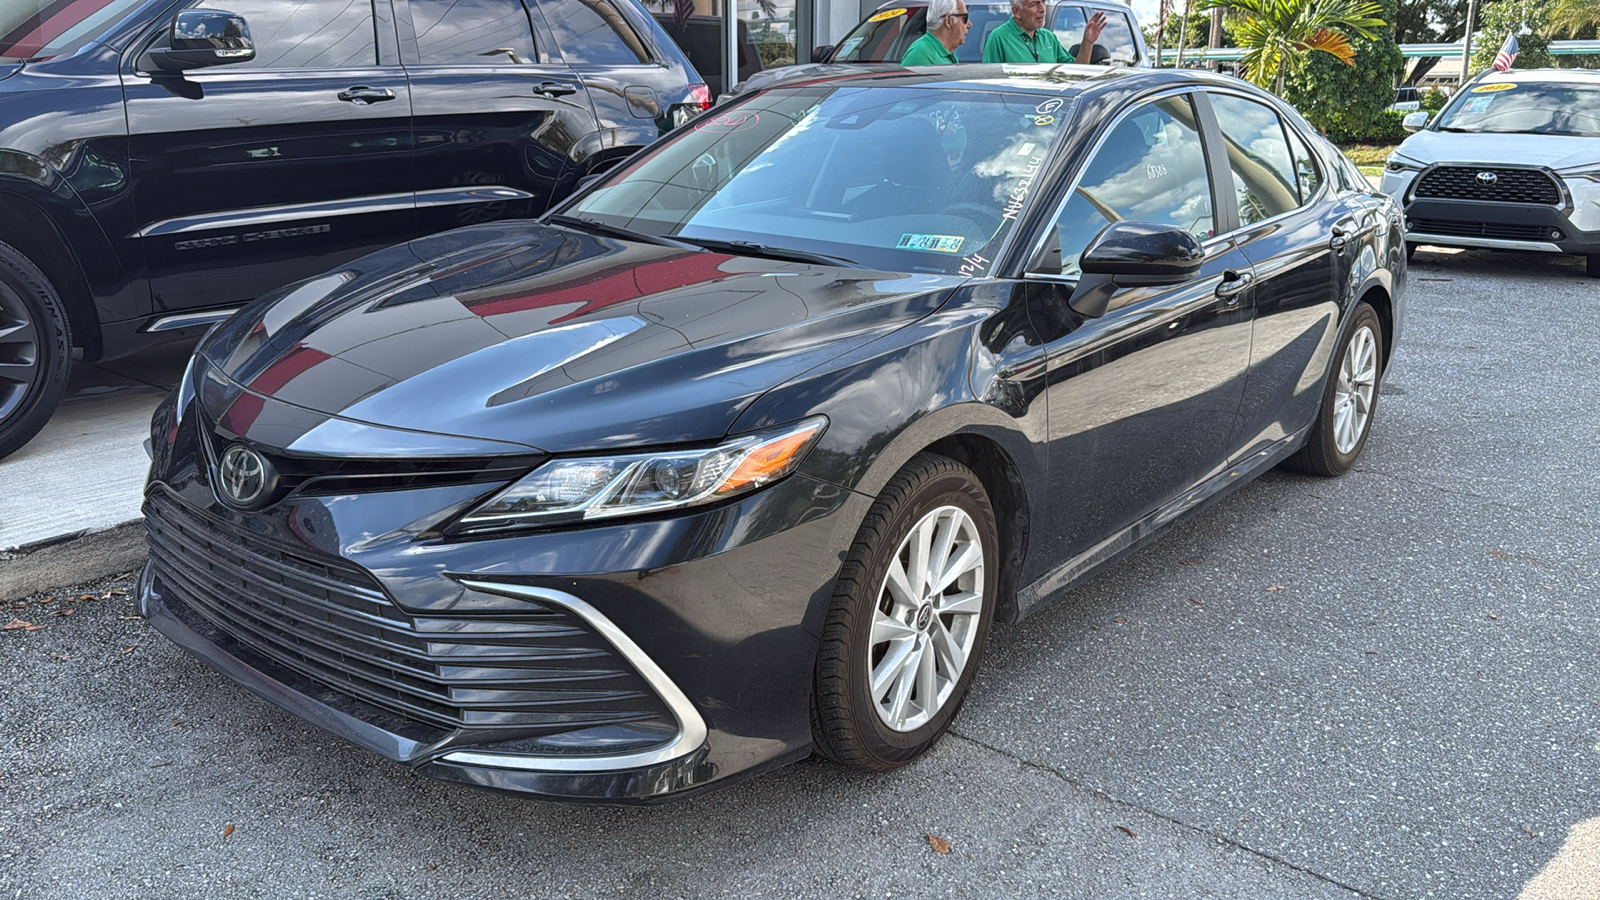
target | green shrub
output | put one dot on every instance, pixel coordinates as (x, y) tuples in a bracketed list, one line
[(1434, 100)]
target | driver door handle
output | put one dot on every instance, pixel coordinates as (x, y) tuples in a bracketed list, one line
[(554, 89), (1234, 281), (361, 95)]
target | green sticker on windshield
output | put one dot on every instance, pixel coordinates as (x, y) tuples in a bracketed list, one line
[(933, 243)]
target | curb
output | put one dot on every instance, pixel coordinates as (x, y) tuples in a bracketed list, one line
[(74, 558)]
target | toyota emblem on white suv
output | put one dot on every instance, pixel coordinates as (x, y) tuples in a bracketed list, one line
[(1487, 179), (242, 476)]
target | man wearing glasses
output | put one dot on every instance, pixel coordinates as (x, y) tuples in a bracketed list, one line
[(948, 24), (1023, 39)]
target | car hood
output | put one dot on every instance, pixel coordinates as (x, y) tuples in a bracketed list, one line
[(1555, 151), (551, 338), (9, 69)]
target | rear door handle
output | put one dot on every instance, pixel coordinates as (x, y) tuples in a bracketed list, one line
[(361, 95), (554, 89), (1234, 281), (1345, 232)]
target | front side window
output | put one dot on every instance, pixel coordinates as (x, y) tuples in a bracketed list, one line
[(306, 34), (901, 179), (1151, 168), (1258, 157), (593, 33), (472, 32)]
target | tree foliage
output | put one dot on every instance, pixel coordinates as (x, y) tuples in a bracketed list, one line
[(1575, 18), (1281, 36), (1350, 102), (1529, 20), (1429, 22)]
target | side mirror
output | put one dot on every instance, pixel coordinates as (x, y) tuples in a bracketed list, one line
[(1130, 254), (203, 37), (821, 53), (1415, 121)]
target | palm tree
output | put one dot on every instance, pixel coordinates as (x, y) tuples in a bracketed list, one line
[(1281, 34), (1572, 17)]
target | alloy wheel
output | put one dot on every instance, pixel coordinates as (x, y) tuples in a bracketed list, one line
[(1352, 397), (927, 618), (19, 351)]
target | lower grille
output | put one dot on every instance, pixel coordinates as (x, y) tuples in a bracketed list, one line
[(327, 620), (1497, 184), (1499, 230)]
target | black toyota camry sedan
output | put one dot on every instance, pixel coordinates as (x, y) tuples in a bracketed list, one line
[(739, 453)]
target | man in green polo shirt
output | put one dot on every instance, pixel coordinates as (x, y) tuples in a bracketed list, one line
[(948, 24), (1024, 39)]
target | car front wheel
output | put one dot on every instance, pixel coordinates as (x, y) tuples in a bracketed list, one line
[(35, 350), (1348, 402), (909, 619)]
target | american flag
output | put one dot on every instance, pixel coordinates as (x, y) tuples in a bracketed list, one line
[(681, 11), (1507, 54)]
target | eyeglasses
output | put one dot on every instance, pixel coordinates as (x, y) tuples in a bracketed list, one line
[(965, 17)]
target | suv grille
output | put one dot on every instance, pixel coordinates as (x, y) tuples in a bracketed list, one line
[(1509, 186), (327, 620), (1500, 230)]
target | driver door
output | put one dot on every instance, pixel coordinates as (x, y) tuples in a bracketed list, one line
[(1142, 399)]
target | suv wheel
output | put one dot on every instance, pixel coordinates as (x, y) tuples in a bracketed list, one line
[(1592, 266), (35, 350)]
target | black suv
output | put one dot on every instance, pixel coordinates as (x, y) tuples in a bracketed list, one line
[(162, 163)]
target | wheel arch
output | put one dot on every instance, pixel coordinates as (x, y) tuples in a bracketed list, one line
[(35, 234), (1002, 480)]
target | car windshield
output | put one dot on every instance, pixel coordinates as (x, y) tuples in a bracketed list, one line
[(899, 179), (1509, 107), (886, 35), (38, 29)]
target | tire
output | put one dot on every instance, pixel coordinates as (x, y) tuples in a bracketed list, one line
[(1411, 250), (1349, 401), (932, 497), (1591, 266), (35, 350)]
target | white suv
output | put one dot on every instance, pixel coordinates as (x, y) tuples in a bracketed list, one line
[(1513, 163)]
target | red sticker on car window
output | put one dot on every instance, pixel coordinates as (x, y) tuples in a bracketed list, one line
[(728, 123)]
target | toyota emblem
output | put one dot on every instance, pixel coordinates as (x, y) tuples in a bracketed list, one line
[(1488, 179), (243, 476)]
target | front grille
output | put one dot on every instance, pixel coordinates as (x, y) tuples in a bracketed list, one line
[(327, 620), (1499, 230), (1510, 185)]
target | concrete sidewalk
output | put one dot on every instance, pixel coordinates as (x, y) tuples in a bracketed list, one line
[(85, 471)]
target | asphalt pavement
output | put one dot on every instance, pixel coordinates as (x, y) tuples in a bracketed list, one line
[(1383, 686)]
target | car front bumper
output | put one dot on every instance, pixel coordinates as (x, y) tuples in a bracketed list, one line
[(1574, 228), (623, 663)]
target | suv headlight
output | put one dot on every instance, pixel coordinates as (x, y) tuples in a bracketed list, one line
[(1591, 172), (1398, 163), (602, 487)]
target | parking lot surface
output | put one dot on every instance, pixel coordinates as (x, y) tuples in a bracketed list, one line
[(1379, 686)]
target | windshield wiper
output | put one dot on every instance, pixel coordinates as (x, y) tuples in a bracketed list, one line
[(767, 251), (599, 227)]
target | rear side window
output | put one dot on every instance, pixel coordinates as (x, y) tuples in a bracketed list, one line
[(472, 32), (593, 33), (1305, 167), (1258, 156), (306, 34)]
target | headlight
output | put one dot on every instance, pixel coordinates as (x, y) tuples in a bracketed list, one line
[(601, 487), (1398, 163), (1591, 172)]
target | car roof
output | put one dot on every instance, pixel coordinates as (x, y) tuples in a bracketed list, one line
[(1059, 80)]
